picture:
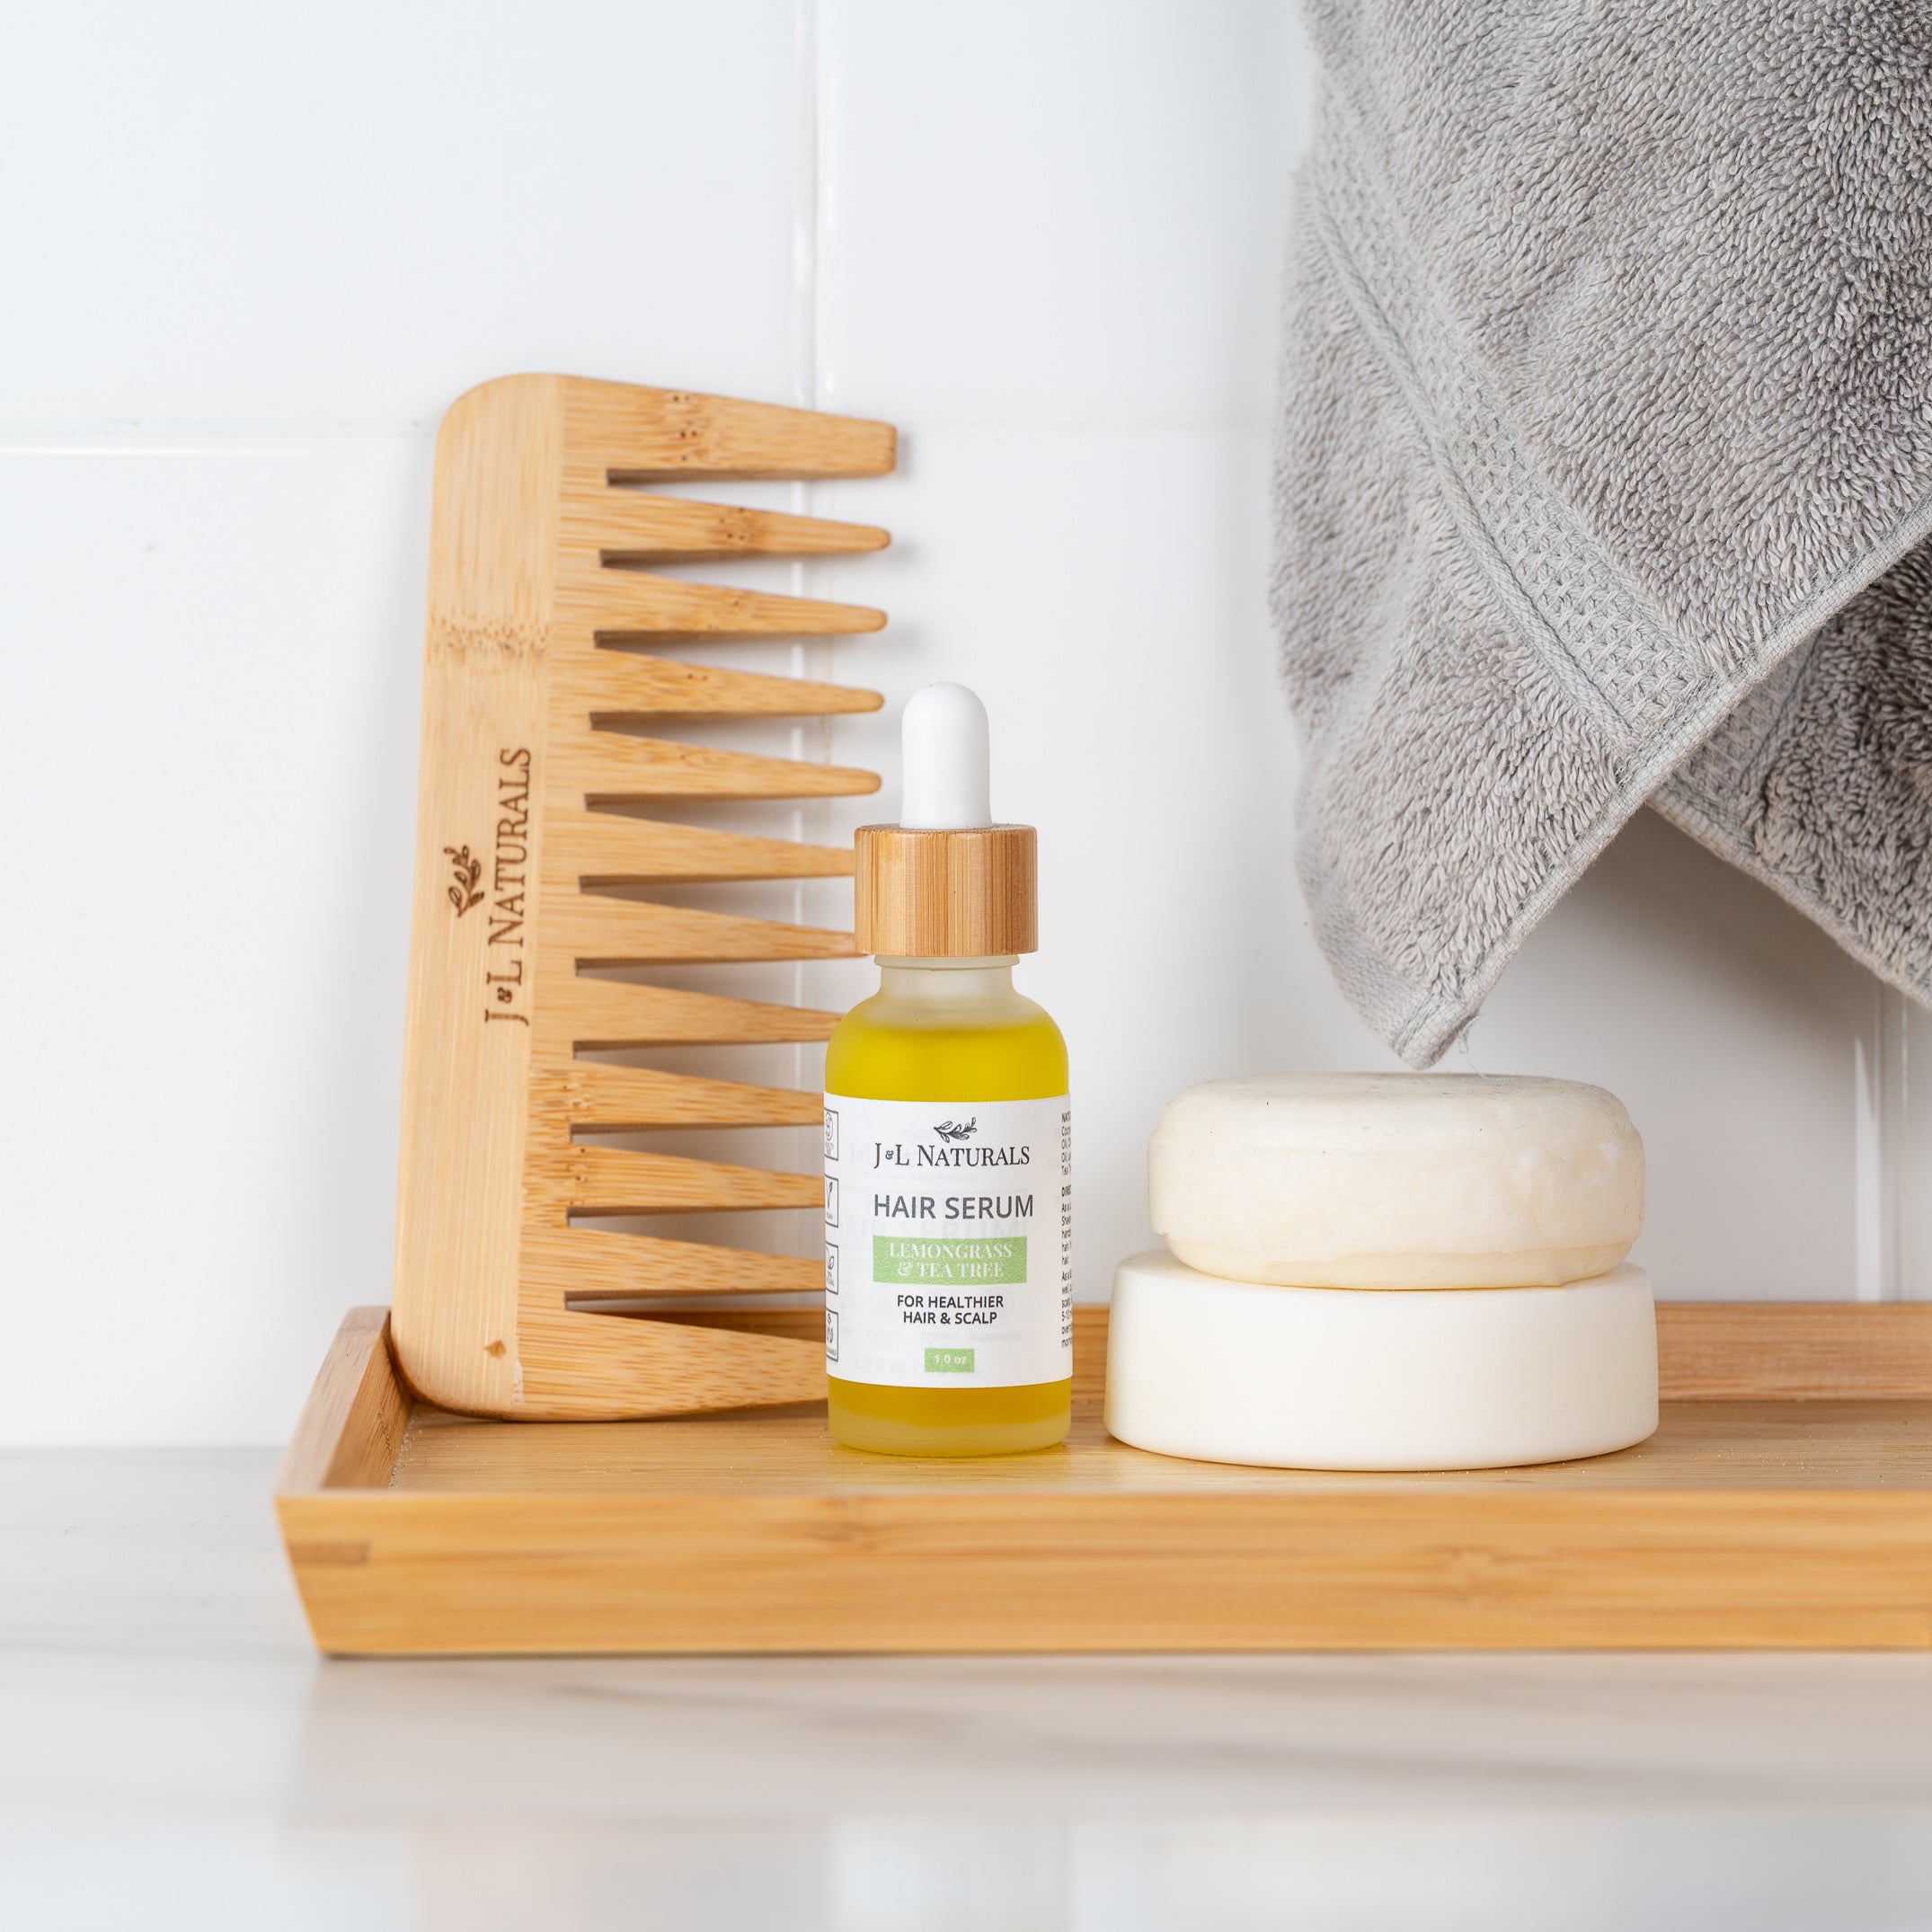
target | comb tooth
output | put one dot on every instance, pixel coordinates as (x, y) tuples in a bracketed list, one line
[(615, 1181), (625, 522), (619, 602), (599, 931), (657, 1368), (621, 683), (627, 432), (594, 1262), (610, 848), (618, 1100), (588, 1012), (615, 765)]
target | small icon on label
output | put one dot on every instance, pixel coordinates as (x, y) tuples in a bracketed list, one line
[(831, 1336), (831, 1201), (831, 1134), (831, 1269)]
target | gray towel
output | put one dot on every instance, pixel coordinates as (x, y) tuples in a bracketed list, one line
[(1605, 471)]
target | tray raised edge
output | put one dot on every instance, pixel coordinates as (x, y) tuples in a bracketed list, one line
[(1368, 1565)]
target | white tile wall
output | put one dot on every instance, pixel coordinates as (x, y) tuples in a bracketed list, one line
[(1056, 215), (228, 213), (264, 251), (212, 722)]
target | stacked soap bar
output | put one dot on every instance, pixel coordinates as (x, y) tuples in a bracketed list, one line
[(1387, 1271)]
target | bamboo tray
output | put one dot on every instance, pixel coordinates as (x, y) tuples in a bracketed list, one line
[(1786, 1501)]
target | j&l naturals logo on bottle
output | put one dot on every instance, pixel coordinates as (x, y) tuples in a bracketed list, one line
[(951, 1147)]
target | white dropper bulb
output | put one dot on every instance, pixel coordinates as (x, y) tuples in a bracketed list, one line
[(947, 756)]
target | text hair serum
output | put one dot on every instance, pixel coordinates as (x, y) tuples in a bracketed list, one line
[(948, 1135)]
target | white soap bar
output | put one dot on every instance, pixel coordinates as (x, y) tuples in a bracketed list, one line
[(1391, 1180), (1331, 1379)]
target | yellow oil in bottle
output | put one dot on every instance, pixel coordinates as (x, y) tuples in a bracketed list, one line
[(948, 1139), (952, 1031)]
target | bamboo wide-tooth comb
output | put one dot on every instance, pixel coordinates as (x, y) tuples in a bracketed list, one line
[(534, 592)]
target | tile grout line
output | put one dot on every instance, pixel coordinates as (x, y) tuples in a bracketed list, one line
[(812, 738), (806, 216), (202, 439), (1894, 1071), (1878, 1132)]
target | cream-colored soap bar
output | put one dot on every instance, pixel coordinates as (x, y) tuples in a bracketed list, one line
[(1329, 1378), (1397, 1181)]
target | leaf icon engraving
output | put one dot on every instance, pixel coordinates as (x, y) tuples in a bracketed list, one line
[(958, 1130), (463, 889)]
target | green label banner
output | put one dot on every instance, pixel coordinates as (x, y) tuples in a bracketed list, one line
[(949, 1362), (917, 1261)]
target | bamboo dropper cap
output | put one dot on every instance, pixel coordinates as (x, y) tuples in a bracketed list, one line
[(946, 882)]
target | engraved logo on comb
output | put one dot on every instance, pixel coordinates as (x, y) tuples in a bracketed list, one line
[(463, 892), (508, 881)]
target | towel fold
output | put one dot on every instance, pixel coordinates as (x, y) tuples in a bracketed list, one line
[(1604, 471)]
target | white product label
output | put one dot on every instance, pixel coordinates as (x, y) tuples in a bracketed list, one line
[(948, 1242)]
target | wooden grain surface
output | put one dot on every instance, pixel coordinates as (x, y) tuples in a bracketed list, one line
[(353, 1426), (1802, 1518), (966, 894), (1700, 1445), (596, 929), (552, 642), (620, 684), (1707, 1351), (603, 848), (1802, 1349)]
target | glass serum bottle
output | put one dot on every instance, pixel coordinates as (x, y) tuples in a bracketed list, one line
[(948, 1138)]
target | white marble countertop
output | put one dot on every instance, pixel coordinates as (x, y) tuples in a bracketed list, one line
[(173, 1753)]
